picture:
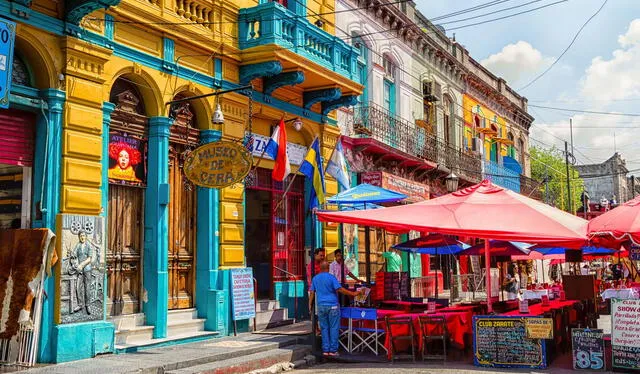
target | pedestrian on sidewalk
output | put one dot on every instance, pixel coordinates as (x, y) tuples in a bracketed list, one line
[(325, 288)]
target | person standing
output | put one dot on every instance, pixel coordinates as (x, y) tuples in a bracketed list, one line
[(394, 261), (324, 292), (339, 270), (318, 258)]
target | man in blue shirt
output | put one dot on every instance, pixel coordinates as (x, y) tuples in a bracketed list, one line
[(325, 287)]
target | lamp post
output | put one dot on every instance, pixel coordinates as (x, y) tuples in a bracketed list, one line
[(452, 182)]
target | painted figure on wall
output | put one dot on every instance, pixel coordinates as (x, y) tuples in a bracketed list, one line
[(126, 163), (83, 269)]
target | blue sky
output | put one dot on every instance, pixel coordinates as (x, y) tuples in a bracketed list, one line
[(600, 72)]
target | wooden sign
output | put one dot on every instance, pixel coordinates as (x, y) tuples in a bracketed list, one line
[(524, 306), (588, 349), (539, 328), (218, 164), (501, 341), (625, 333)]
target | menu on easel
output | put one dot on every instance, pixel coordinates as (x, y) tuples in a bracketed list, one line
[(524, 306), (588, 349), (625, 333), (500, 341)]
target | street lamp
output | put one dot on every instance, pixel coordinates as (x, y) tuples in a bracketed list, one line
[(452, 182), (218, 116)]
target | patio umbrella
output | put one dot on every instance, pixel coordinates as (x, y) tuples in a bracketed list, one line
[(617, 225), (483, 211), (432, 244), (499, 248), (586, 251)]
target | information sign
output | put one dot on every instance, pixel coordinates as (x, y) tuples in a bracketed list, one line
[(7, 39), (242, 294), (588, 349), (218, 164), (501, 341), (625, 333)]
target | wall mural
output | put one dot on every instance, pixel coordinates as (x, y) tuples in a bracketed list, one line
[(83, 268)]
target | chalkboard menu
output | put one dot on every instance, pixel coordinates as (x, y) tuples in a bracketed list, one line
[(588, 349), (625, 333), (500, 341)]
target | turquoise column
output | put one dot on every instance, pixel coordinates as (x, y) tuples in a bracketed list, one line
[(107, 109), (156, 227), (47, 172), (208, 244)]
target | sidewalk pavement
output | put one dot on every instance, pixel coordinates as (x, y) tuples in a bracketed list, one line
[(240, 354)]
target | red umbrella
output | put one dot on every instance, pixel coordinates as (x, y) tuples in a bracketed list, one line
[(483, 211), (617, 225)]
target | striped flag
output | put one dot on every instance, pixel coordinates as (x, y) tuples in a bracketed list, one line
[(337, 166)]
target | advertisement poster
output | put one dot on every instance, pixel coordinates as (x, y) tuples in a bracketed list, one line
[(127, 160), (587, 347), (625, 333), (242, 294)]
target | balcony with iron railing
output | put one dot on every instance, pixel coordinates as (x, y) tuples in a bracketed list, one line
[(373, 121), (502, 176), (271, 23)]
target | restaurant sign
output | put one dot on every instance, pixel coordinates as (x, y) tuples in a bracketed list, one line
[(625, 333), (539, 328), (218, 164), (416, 191)]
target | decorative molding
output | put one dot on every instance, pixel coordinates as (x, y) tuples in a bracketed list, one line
[(311, 97), (21, 8), (259, 70), (289, 78), (76, 10), (348, 100), (85, 60)]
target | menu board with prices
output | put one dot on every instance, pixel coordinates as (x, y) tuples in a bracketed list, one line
[(242, 294), (588, 349), (501, 341), (625, 333)]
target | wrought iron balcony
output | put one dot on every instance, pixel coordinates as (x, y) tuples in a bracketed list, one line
[(531, 187), (375, 122), (273, 24), (502, 176)]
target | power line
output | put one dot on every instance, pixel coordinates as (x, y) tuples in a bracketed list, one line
[(469, 10), (566, 49), (586, 111), (490, 13)]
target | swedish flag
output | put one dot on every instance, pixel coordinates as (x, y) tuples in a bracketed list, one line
[(312, 168)]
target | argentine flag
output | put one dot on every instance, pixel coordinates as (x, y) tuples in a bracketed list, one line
[(337, 167)]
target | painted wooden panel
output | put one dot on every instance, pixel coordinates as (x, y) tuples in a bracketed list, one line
[(82, 173), (231, 255), (82, 118), (235, 192), (80, 200), (231, 233), (232, 211), (82, 145)]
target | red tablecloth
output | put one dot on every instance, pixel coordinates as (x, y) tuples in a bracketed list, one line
[(458, 323), (539, 309)]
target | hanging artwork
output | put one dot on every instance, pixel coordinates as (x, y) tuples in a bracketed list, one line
[(127, 159), (83, 268)]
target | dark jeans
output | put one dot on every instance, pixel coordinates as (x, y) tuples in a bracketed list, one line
[(329, 320)]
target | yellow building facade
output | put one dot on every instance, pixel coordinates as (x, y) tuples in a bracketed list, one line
[(158, 243)]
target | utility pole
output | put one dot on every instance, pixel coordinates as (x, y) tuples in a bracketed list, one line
[(633, 186), (571, 132), (546, 184), (566, 161)]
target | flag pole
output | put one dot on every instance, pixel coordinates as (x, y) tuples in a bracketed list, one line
[(284, 194)]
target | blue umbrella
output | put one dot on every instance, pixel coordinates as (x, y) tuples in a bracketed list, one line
[(432, 244), (587, 251), (364, 194), (363, 206)]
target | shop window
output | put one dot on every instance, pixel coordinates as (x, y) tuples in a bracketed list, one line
[(20, 73)]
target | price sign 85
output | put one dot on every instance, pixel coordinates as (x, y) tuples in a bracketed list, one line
[(589, 360)]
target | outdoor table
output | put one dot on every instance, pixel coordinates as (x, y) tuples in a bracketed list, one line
[(458, 324), (535, 294), (623, 293), (403, 305), (380, 313), (539, 309)]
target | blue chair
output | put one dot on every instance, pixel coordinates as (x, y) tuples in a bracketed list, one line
[(344, 338), (366, 337)]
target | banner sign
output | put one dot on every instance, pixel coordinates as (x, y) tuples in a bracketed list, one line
[(7, 39), (218, 164), (501, 342), (416, 191), (127, 159), (625, 333), (634, 252), (242, 294), (296, 152), (588, 349), (539, 328)]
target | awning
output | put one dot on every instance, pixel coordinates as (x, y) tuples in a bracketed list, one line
[(366, 193)]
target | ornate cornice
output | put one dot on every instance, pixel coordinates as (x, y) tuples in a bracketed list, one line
[(328, 106)]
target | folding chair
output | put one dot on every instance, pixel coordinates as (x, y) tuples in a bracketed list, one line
[(344, 337), (400, 321), (366, 337), (433, 328)]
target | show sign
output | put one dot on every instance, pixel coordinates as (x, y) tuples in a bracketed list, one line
[(218, 164), (7, 39), (501, 342), (242, 294), (588, 349), (625, 333)]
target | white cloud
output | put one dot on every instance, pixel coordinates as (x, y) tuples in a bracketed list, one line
[(618, 77), (516, 62)]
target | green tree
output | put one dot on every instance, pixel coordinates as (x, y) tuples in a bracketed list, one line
[(550, 164)]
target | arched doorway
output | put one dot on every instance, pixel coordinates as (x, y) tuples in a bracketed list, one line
[(127, 182), (182, 208)]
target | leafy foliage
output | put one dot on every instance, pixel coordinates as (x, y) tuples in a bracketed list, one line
[(550, 164)]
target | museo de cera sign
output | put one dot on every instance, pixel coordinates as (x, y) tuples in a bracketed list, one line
[(218, 165)]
